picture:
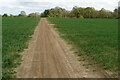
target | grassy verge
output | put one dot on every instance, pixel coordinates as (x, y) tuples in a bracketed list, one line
[(96, 38), (16, 33)]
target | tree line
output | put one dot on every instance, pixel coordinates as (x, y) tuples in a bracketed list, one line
[(79, 12), (76, 12), (22, 14)]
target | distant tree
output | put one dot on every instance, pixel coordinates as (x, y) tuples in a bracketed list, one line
[(92, 12), (104, 13), (11, 15), (42, 15), (19, 15), (75, 12), (88, 12), (5, 15), (55, 12), (115, 13), (79, 12), (37, 14), (34, 15), (119, 12), (22, 13), (46, 13)]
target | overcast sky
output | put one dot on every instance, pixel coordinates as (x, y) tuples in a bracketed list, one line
[(29, 6)]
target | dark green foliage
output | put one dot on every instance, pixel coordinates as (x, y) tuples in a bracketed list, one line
[(97, 38), (20, 15), (78, 12), (55, 12), (46, 13), (5, 15), (16, 33)]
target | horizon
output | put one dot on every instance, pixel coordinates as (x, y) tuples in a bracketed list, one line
[(14, 7)]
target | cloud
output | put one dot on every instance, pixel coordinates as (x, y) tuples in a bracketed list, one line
[(15, 6)]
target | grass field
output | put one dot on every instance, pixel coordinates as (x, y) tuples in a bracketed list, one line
[(0, 47), (96, 38), (16, 33)]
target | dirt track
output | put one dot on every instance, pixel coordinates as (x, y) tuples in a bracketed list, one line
[(48, 56)]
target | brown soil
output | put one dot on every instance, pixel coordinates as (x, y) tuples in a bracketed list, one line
[(48, 56)]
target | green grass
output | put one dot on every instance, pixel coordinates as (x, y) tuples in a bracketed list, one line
[(96, 38), (0, 47), (16, 33)]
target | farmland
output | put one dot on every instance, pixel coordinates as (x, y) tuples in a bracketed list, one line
[(16, 33), (95, 38), (59, 39), (91, 39)]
